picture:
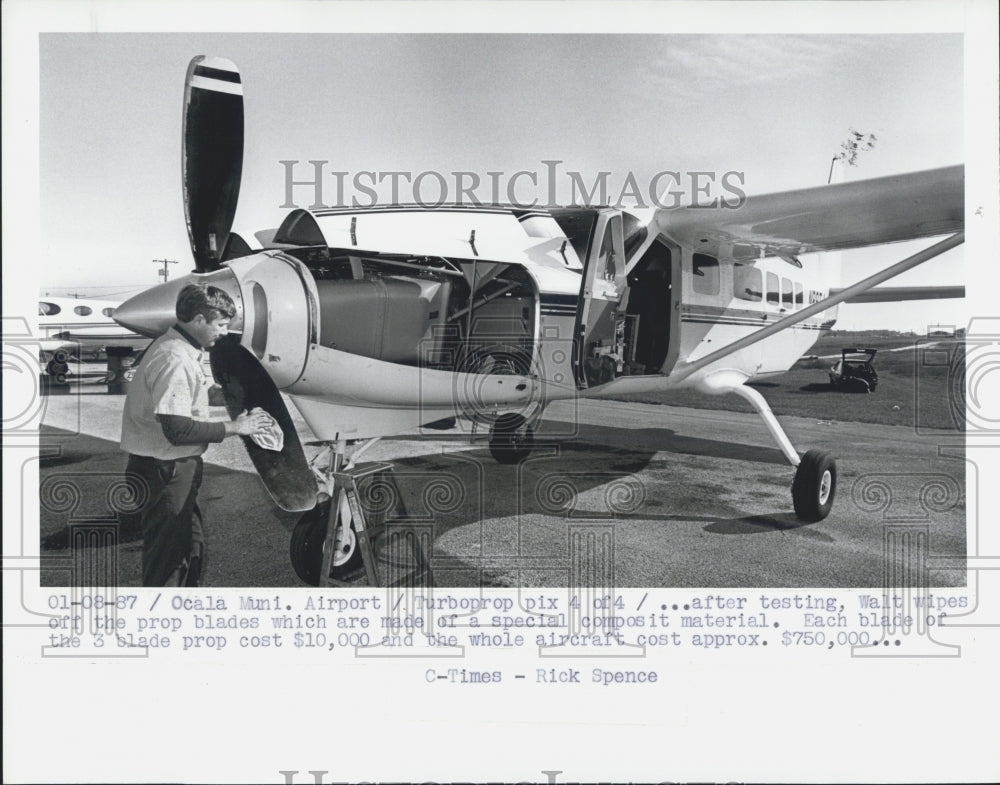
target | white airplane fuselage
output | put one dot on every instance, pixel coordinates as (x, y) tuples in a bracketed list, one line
[(379, 320)]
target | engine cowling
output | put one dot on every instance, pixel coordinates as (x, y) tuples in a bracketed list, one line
[(279, 313), (275, 298)]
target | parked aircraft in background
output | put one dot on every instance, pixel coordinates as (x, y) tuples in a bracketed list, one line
[(75, 329)]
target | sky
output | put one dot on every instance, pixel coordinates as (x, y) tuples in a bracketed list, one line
[(773, 107)]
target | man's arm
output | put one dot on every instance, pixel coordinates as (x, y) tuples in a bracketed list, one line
[(185, 430)]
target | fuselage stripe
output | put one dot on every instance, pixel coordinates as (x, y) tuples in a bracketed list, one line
[(745, 323)]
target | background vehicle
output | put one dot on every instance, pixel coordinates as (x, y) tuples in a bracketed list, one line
[(854, 371)]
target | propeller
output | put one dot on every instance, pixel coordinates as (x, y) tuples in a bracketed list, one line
[(212, 167), (246, 385), (212, 156)]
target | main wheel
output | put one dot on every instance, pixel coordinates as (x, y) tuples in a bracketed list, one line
[(58, 368), (308, 539), (814, 486), (511, 439)]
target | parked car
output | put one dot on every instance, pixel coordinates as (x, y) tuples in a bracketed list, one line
[(854, 371)]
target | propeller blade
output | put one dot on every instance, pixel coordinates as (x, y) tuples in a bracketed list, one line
[(246, 385), (236, 247), (212, 156)]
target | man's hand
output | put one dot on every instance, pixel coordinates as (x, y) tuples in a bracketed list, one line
[(249, 423)]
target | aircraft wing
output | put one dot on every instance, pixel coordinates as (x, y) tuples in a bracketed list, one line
[(53, 345), (893, 294), (826, 218)]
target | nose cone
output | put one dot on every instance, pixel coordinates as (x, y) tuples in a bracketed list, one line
[(152, 312)]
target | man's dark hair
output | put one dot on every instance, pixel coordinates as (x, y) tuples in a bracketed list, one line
[(209, 301)]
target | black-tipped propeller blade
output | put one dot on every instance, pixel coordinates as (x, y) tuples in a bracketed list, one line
[(246, 385), (212, 156), (235, 247)]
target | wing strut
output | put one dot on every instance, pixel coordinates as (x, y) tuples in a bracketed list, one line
[(843, 294)]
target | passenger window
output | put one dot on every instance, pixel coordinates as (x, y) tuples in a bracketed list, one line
[(108, 311), (48, 309), (83, 310), (799, 302), (748, 283), (786, 294), (706, 273), (772, 289)]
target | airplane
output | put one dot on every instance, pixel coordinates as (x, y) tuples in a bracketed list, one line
[(377, 320), (82, 327)]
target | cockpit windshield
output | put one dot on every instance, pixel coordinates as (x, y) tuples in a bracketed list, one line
[(577, 224)]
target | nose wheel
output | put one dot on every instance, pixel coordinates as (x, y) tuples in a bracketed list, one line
[(511, 439), (309, 541)]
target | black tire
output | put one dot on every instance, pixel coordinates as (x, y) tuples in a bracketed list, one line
[(58, 368), (306, 548), (511, 439), (815, 486)]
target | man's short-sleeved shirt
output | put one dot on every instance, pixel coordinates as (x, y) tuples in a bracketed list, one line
[(169, 380)]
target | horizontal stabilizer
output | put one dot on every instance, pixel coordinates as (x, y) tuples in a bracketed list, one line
[(236, 247), (892, 294), (266, 239)]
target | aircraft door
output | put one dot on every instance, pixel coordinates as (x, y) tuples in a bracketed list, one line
[(600, 349), (279, 321)]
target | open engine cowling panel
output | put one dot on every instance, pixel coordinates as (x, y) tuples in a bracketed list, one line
[(444, 314)]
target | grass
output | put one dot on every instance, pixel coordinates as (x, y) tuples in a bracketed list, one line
[(917, 388)]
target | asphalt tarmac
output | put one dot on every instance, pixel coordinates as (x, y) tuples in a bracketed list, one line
[(623, 494)]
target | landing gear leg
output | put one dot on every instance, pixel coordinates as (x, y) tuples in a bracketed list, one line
[(815, 474)]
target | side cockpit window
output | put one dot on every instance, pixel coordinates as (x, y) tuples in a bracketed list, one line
[(748, 283), (705, 269)]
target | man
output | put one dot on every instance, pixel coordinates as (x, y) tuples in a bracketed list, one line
[(165, 429)]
